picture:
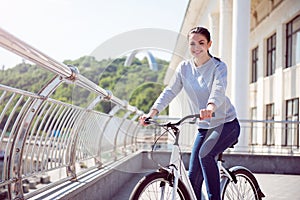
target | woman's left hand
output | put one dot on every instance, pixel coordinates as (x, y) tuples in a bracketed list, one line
[(208, 111), (205, 113)]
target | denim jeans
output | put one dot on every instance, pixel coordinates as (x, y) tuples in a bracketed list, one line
[(203, 165)]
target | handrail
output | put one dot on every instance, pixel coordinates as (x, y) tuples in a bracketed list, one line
[(17, 46), (273, 137), (43, 137)]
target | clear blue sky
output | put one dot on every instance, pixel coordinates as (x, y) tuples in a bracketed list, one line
[(69, 29)]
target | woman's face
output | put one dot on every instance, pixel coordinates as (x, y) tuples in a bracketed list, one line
[(198, 45)]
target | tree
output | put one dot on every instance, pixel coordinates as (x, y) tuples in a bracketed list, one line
[(144, 96), (137, 84)]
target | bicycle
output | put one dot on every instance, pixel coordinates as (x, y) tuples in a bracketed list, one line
[(172, 182)]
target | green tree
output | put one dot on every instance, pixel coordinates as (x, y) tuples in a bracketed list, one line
[(126, 82), (144, 96)]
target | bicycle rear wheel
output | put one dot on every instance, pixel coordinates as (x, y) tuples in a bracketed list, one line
[(245, 186), (158, 185)]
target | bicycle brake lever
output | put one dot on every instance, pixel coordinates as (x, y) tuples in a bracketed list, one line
[(147, 120)]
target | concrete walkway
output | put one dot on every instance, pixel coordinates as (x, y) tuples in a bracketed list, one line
[(274, 186), (279, 187)]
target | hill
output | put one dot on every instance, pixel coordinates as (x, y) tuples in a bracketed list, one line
[(136, 84)]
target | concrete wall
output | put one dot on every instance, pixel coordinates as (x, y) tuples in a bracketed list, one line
[(266, 163), (109, 183), (275, 164), (98, 183), (105, 183)]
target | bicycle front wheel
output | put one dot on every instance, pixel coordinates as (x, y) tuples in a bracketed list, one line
[(158, 185), (243, 188)]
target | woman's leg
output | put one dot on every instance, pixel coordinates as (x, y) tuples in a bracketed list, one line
[(195, 171), (220, 139)]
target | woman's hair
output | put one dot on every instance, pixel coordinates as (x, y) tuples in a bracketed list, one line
[(203, 31), (200, 30)]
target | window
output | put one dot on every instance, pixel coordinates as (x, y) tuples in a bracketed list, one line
[(291, 134), (268, 136), (293, 42), (271, 55), (254, 65)]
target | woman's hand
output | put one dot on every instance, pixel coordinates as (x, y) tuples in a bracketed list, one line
[(142, 119), (151, 114), (204, 114), (208, 111)]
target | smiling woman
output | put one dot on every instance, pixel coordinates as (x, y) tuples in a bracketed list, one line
[(199, 43), (204, 79)]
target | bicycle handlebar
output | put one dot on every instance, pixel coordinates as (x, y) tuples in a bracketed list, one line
[(169, 124)]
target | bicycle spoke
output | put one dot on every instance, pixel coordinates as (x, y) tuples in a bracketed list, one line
[(245, 188), (242, 190), (156, 191)]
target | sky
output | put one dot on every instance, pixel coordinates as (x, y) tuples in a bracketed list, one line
[(69, 29)]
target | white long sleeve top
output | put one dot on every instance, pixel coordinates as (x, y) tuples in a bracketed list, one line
[(203, 84)]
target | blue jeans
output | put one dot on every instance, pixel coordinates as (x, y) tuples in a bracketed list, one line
[(208, 144)]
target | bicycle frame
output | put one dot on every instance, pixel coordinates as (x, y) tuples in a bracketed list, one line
[(177, 177), (176, 167), (225, 173)]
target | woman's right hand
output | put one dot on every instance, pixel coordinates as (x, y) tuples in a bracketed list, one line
[(151, 114), (143, 118)]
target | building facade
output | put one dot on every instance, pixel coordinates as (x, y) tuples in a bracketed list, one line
[(260, 42)]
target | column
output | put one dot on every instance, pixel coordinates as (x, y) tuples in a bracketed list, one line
[(214, 33), (225, 38), (240, 65)]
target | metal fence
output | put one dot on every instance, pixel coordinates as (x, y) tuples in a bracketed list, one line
[(44, 142), (261, 137), (272, 137)]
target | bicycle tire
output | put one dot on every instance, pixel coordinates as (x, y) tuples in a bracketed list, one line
[(149, 187), (246, 184)]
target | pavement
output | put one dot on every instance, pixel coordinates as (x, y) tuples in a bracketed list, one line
[(274, 186), (279, 186)]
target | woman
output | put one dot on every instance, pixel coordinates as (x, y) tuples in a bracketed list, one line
[(204, 79)]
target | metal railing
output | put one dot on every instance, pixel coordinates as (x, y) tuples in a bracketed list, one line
[(44, 142), (262, 137), (272, 137)]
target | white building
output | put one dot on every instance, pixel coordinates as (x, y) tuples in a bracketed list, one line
[(260, 42)]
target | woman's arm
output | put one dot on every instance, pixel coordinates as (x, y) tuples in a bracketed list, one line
[(166, 96), (170, 92), (217, 95)]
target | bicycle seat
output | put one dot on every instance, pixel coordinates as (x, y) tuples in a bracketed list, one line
[(232, 146)]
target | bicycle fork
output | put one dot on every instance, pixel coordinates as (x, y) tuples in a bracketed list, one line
[(175, 167), (175, 176)]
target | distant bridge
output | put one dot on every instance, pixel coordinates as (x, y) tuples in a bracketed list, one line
[(150, 58)]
